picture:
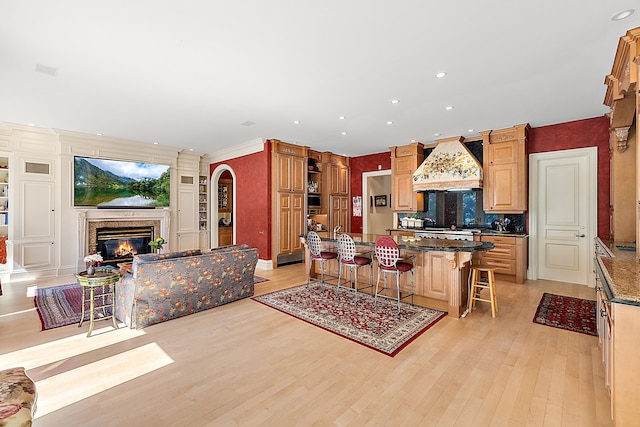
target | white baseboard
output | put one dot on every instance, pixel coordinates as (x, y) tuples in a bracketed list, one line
[(265, 264)]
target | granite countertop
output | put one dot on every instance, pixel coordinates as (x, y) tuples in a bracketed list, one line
[(621, 270), (483, 232), (416, 244)]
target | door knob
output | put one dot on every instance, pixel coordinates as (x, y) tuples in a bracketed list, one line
[(580, 235)]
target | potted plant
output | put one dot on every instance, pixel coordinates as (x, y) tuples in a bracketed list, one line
[(157, 244)]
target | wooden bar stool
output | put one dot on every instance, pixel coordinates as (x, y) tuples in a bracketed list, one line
[(479, 283)]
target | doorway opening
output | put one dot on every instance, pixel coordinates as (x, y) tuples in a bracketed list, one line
[(223, 195), (377, 217)]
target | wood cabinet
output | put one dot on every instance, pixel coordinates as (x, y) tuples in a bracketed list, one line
[(505, 169), (338, 173), (337, 190), (290, 167), (339, 214), (509, 256), (290, 223), (225, 236), (289, 175), (404, 162), (618, 322)]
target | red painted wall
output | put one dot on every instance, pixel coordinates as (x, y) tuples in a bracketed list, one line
[(253, 199), (359, 165), (592, 132)]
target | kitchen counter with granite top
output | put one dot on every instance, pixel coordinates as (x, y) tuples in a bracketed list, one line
[(621, 271), (441, 267), (482, 231), (416, 243)]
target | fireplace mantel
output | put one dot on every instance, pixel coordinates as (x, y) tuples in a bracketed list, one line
[(90, 219)]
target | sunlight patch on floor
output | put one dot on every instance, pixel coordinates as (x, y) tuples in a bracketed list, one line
[(65, 348), (17, 312), (72, 386)]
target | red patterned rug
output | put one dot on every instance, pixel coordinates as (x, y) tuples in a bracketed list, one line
[(59, 305), (378, 328), (573, 314)]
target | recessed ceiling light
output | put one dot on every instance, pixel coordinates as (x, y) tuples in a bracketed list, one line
[(413, 140), (32, 124), (342, 117), (621, 15), (441, 74), (190, 149), (394, 101), (344, 133), (469, 130), (436, 134), (296, 122), (448, 107), (389, 122), (155, 143)]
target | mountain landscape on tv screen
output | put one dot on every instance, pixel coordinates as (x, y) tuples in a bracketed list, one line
[(113, 183)]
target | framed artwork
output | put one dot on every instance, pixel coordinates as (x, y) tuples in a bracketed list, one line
[(380, 200)]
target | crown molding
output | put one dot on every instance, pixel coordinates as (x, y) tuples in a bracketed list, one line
[(254, 146)]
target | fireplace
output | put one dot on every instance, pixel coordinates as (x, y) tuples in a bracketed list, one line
[(120, 244), (107, 221)]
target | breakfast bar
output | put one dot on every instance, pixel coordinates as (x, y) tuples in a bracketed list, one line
[(441, 267)]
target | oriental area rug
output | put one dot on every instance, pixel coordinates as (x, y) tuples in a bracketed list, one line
[(572, 314), (62, 305), (378, 328)]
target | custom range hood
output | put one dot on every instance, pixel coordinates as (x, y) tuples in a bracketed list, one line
[(450, 166)]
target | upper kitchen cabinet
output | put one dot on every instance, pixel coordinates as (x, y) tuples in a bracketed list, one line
[(505, 169), (338, 176), (290, 166), (404, 162)]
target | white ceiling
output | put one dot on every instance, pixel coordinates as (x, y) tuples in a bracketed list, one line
[(188, 73)]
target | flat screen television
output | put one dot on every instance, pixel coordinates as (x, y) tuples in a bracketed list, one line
[(119, 184)]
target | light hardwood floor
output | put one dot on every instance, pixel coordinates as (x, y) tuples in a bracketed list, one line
[(246, 364)]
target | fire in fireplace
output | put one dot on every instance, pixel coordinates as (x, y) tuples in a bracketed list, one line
[(120, 244)]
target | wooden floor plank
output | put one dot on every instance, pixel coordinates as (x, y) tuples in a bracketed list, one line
[(247, 364)]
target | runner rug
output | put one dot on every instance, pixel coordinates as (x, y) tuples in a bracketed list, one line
[(378, 328), (62, 305), (572, 314)]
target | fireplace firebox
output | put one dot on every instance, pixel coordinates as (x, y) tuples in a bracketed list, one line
[(120, 244)]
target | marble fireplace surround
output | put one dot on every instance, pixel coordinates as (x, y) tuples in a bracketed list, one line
[(89, 220)]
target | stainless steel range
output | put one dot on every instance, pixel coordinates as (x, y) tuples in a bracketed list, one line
[(446, 233)]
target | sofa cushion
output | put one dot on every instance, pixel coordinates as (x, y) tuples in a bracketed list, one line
[(230, 247), (144, 258)]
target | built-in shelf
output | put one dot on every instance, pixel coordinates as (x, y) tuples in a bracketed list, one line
[(4, 195), (203, 206)]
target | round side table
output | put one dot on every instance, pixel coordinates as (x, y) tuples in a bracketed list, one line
[(98, 302)]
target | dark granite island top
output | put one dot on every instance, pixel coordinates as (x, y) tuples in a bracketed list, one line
[(621, 270), (415, 243)]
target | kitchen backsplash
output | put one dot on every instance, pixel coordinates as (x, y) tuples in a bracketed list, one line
[(463, 209)]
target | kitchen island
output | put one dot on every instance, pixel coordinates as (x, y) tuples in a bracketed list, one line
[(441, 267)]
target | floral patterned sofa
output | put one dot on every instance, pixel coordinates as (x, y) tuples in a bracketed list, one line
[(162, 287), (17, 398)]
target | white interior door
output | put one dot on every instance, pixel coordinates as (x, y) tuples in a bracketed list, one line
[(563, 214)]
